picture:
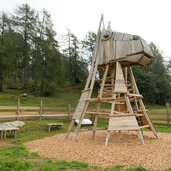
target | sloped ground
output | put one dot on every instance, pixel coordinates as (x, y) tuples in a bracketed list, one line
[(124, 148)]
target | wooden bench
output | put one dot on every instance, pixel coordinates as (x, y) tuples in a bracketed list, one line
[(54, 125), (12, 130)]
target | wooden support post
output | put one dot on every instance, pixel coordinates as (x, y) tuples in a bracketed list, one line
[(107, 138), (94, 126), (69, 129), (126, 75), (69, 112), (168, 114), (78, 127), (18, 108), (40, 110), (140, 136)]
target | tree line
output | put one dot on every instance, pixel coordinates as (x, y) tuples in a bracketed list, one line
[(34, 61)]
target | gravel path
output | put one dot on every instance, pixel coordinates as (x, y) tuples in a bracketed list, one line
[(124, 148)]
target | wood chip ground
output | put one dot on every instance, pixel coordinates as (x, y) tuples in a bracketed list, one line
[(124, 148)]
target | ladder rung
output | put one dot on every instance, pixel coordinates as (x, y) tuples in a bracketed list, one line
[(121, 115), (108, 84), (85, 90), (135, 95), (139, 114), (97, 113), (145, 126)]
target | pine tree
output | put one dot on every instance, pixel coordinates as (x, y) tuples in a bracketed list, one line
[(24, 22)]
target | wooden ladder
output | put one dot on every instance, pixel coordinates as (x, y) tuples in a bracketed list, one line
[(86, 93)]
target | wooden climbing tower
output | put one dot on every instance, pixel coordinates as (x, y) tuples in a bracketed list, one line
[(114, 55)]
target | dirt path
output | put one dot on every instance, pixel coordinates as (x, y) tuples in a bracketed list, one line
[(124, 148), (4, 144)]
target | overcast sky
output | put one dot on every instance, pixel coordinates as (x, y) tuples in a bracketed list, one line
[(150, 19)]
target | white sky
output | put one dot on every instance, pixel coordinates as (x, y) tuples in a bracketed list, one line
[(149, 19)]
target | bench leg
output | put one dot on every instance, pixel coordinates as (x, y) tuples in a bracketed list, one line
[(5, 134), (1, 134), (15, 133)]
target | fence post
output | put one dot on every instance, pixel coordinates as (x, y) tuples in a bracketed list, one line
[(18, 108), (69, 111), (40, 110), (168, 114)]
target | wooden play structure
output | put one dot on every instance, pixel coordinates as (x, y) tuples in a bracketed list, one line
[(114, 55)]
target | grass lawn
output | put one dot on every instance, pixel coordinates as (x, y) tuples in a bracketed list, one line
[(18, 158)]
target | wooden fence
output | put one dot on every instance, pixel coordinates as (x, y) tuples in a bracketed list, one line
[(29, 112), (162, 118)]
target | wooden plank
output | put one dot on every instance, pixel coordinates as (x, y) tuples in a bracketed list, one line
[(121, 115), (108, 51), (123, 123), (122, 49), (127, 36), (160, 124), (55, 124), (135, 95), (8, 107), (54, 113), (8, 113), (54, 108), (157, 113), (145, 126), (29, 113), (159, 119), (145, 60), (119, 80), (135, 46), (118, 36), (29, 108), (124, 128), (97, 113)]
